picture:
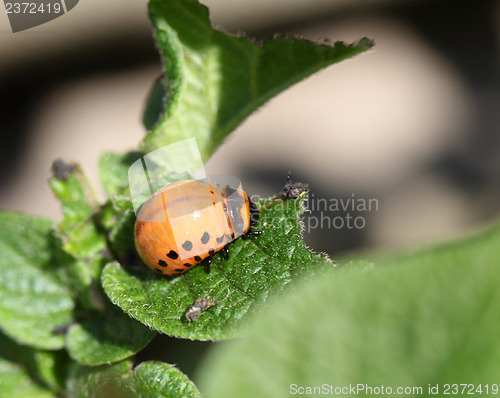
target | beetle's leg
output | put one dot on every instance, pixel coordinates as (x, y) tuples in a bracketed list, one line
[(225, 252), (207, 264), (253, 233)]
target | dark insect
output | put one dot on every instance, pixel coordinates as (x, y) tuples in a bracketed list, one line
[(199, 305), (292, 190)]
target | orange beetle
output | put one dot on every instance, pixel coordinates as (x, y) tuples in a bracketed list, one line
[(188, 221)]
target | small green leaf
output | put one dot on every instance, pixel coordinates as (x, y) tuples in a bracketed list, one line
[(33, 299), (78, 230), (50, 368), (113, 172), (15, 383), (71, 187), (257, 267), (214, 80), (156, 104), (121, 234), (46, 368), (148, 380), (421, 319), (106, 338), (82, 236), (108, 381), (161, 380)]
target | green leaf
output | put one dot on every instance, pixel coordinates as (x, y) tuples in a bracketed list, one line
[(149, 379), (46, 368), (156, 104), (81, 233), (117, 215), (50, 368), (121, 235), (72, 188), (214, 80), (108, 381), (33, 298), (429, 317), (113, 172), (78, 230), (156, 379), (106, 338), (15, 383), (257, 267)]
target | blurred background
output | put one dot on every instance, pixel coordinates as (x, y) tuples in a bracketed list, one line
[(413, 123)]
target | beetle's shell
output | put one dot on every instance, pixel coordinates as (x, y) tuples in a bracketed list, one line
[(188, 221)]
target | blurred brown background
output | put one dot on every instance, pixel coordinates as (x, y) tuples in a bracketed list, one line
[(414, 123)]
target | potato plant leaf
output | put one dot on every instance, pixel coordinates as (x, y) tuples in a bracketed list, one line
[(417, 320), (100, 381), (148, 380), (34, 298), (106, 337), (215, 80), (113, 172), (78, 229), (43, 368), (161, 380), (80, 232), (15, 383)]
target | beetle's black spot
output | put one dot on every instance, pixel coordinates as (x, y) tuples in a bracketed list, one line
[(162, 263), (159, 270), (173, 255), (205, 238), (211, 252), (197, 258), (221, 239), (179, 270), (188, 265), (187, 245)]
